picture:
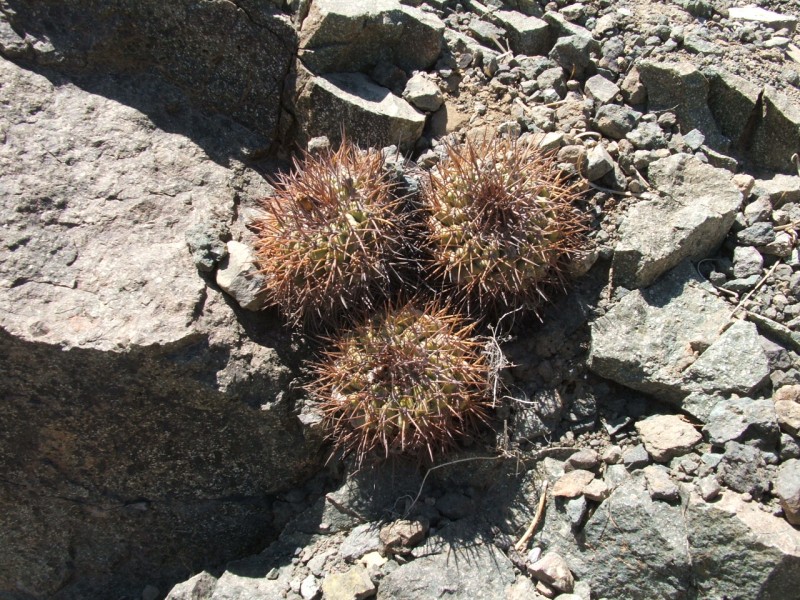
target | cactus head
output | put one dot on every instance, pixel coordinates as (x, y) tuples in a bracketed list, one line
[(408, 382), (502, 225), (331, 240)]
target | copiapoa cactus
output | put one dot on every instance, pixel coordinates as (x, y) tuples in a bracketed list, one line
[(331, 242), (410, 381), (502, 226)]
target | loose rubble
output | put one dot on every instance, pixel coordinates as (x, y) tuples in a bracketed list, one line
[(658, 397)]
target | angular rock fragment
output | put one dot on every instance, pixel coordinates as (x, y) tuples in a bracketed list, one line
[(639, 547), (743, 469), (553, 570), (777, 135), (787, 408), (403, 534), (667, 436), (526, 35), (466, 572), (682, 88), (571, 484), (735, 103), (778, 189), (573, 53), (650, 336), (238, 276), (351, 35), (736, 419), (370, 114), (423, 93), (735, 362), (756, 14), (787, 489), (353, 584), (616, 121), (659, 484), (601, 89), (741, 551), (691, 221)]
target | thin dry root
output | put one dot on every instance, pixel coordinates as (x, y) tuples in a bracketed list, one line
[(522, 544)]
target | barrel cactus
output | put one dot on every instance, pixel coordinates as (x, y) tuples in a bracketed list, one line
[(410, 381), (331, 241), (502, 226)]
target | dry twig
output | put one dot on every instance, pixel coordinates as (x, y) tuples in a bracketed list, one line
[(522, 544)]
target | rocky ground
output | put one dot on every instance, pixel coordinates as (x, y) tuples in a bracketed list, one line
[(648, 428)]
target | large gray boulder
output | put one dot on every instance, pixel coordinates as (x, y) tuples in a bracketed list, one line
[(633, 547), (683, 89), (741, 551), (733, 101), (228, 56), (468, 572), (144, 426), (690, 219), (777, 135), (657, 340), (351, 35)]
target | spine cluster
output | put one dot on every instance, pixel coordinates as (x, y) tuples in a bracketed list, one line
[(498, 227)]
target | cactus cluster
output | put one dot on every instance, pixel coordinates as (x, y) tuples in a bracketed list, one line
[(336, 244), (332, 239), (409, 381), (501, 225)]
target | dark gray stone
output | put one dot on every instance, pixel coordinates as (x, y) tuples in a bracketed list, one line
[(647, 136), (641, 341), (758, 234), (361, 540), (467, 571), (635, 457), (740, 419), (573, 53), (526, 34), (733, 101), (777, 134), (778, 190), (143, 426), (616, 121), (601, 89), (370, 114), (690, 222), (638, 548), (207, 246), (552, 78), (743, 469), (576, 510), (352, 35), (740, 551), (735, 363), (243, 50), (681, 88)]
